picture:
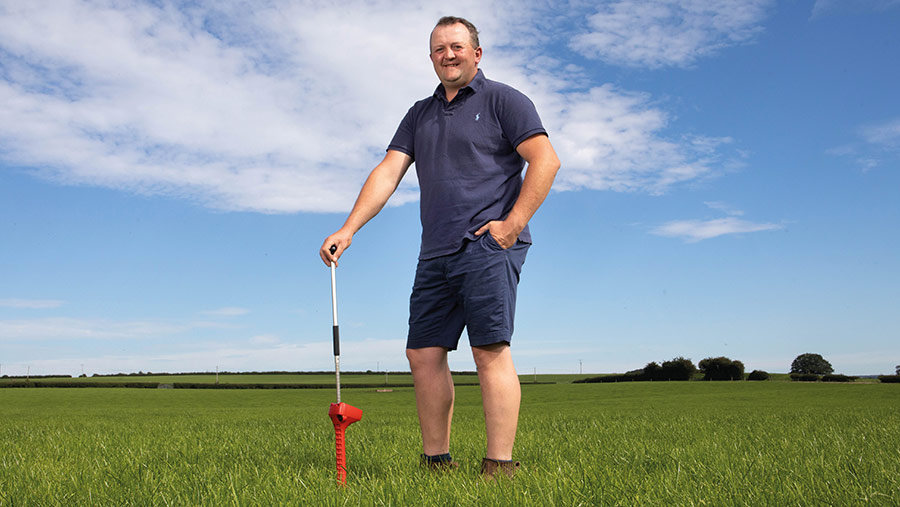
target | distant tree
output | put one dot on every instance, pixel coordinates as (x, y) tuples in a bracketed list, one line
[(811, 363), (678, 368), (897, 369), (652, 371), (758, 375), (721, 368)]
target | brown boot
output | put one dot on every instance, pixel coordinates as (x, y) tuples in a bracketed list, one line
[(438, 465), (491, 468)]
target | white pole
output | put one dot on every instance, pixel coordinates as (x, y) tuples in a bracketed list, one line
[(335, 331), (334, 316)]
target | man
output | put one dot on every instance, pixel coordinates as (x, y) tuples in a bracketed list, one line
[(470, 142)]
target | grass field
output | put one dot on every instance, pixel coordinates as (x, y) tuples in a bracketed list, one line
[(661, 443)]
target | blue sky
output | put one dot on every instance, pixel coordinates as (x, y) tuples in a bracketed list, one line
[(168, 171)]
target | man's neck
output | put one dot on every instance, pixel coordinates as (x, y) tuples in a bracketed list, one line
[(451, 92)]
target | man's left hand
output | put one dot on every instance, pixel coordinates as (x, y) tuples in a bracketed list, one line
[(505, 232)]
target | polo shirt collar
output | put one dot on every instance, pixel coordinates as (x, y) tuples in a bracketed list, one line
[(476, 84)]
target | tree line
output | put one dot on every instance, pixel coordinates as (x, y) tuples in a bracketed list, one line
[(805, 367)]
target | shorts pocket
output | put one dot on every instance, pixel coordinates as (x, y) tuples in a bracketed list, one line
[(490, 243)]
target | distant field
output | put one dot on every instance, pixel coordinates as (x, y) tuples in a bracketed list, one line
[(660, 443), (348, 379)]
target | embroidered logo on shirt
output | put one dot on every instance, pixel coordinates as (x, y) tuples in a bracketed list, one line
[(478, 115)]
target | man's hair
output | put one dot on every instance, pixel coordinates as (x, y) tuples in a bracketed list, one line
[(452, 20)]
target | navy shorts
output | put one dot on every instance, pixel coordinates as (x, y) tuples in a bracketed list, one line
[(474, 289)]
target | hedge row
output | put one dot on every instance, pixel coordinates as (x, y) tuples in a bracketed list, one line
[(148, 385), (809, 377), (638, 376), (713, 368), (326, 372), (678, 368), (890, 379), (625, 377), (193, 385), (26, 377)]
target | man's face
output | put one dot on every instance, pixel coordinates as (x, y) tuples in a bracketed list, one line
[(455, 60)]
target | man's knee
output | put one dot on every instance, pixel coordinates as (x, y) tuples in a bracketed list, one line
[(491, 356), (427, 358)]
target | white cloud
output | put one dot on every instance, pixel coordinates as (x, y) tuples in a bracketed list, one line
[(612, 140), (286, 107), (867, 164), (228, 311), (840, 151), (878, 141), (724, 208), (257, 356), (658, 33), (265, 339), (60, 345), (31, 304), (693, 231), (885, 135), (64, 328), (144, 99)]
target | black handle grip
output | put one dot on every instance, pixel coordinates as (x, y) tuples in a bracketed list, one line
[(333, 249)]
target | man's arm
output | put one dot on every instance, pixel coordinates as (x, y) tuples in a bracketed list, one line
[(542, 167), (380, 185)]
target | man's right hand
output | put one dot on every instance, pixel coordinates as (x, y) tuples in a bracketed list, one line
[(341, 241)]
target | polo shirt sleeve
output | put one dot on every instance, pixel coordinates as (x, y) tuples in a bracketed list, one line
[(519, 118), (404, 139)]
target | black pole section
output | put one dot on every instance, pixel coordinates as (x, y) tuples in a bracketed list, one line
[(335, 330)]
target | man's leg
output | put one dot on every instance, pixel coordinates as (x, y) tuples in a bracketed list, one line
[(434, 397), (500, 395)]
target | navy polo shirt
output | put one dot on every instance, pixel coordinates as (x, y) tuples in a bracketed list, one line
[(466, 161)]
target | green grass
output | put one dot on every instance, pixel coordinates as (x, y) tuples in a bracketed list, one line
[(728, 443)]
